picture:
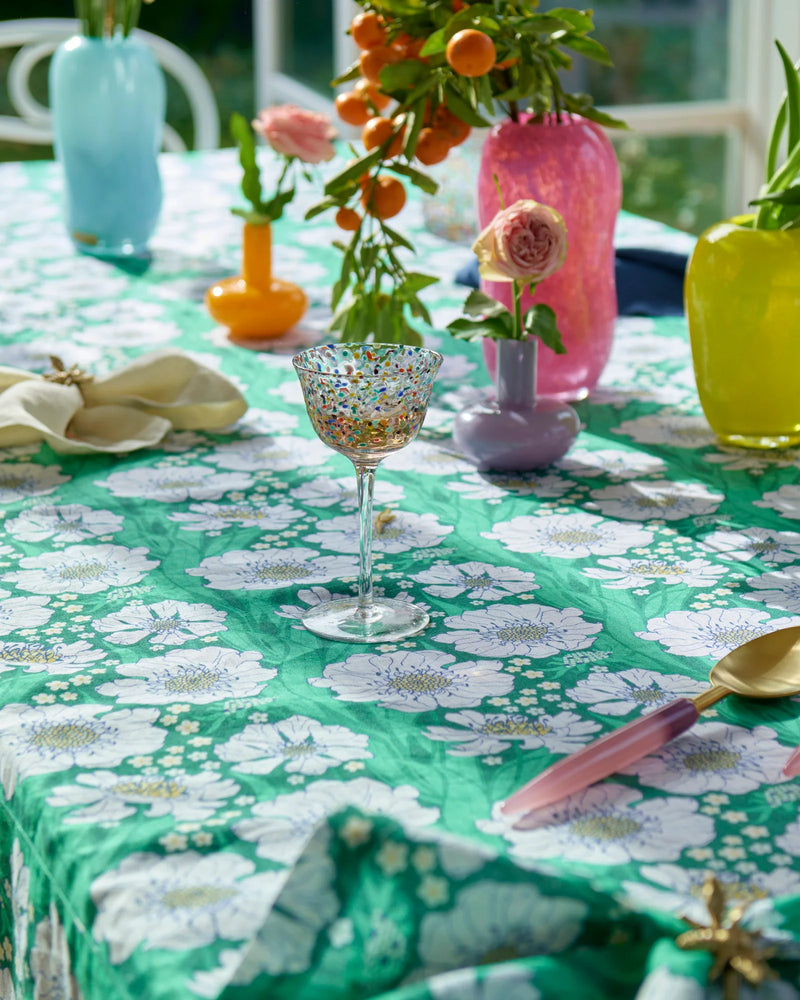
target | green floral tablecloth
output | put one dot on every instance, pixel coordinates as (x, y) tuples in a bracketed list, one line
[(203, 800)]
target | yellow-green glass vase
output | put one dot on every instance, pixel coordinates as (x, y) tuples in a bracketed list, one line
[(742, 295)]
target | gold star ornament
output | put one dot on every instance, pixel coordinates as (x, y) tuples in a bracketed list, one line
[(737, 952)]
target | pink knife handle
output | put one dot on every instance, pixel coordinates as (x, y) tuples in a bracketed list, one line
[(610, 753), (792, 765)]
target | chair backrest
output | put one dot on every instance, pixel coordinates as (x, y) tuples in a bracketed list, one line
[(38, 37)]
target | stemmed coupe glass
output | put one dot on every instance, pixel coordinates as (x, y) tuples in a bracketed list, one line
[(366, 401)]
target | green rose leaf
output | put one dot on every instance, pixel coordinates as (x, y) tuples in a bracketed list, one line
[(540, 321), (494, 327), (479, 304)]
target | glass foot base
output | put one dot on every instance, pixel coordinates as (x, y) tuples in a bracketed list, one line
[(766, 442), (386, 620)]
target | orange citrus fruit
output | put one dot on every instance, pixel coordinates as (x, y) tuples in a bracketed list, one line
[(367, 30), (384, 197), (369, 92), (348, 219), (450, 125), (470, 52), (379, 131), (432, 147), (408, 46), (352, 108), (372, 61)]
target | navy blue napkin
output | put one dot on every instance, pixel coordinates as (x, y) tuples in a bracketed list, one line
[(649, 282)]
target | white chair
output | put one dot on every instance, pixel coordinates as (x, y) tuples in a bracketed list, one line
[(38, 37)]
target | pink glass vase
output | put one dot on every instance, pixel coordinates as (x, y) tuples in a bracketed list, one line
[(571, 166)]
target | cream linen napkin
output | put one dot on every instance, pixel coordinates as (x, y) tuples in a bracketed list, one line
[(133, 407)]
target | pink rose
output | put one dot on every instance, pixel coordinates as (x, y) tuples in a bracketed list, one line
[(293, 131), (525, 242)]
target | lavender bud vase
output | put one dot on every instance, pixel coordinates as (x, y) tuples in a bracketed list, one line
[(516, 432)]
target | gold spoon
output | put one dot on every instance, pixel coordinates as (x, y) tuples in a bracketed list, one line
[(767, 666)]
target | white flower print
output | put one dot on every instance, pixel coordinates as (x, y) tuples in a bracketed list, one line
[(429, 459), (780, 589), (499, 982), (180, 901), (280, 453), (42, 740), (607, 824), (404, 532), (674, 429), (785, 500), (24, 612), (661, 982), (302, 745), (676, 889), (82, 569), (50, 961), (107, 797), (268, 569), (711, 633), (281, 827), (611, 462), (258, 421), (327, 492), (311, 598), (174, 484), (529, 630), (496, 485), (493, 733), (19, 480), (569, 536), (789, 840), (218, 517), (20, 876), (144, 334), (460, 858), (635, 689), (490, 917), (53, 657), (285, 941), (209, 983), (168, 623), (714, 757), (480, 581), (7, 990), (626, 574), (412, 681), (661, 498), (65, 523), (197, 676), (755, 543)]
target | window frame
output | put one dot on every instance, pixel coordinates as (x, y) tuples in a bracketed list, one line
[(756, 83)]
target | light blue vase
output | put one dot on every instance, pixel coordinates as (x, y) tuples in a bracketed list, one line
[(108, 100)]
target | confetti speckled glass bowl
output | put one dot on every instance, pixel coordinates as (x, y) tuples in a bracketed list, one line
[(366, 401)]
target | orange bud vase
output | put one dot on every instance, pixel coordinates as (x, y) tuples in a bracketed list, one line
[(254, 305)]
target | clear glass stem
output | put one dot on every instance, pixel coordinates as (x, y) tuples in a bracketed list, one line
[(366, 485)]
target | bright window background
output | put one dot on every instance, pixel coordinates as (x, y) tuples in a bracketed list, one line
[(664, 51), (672, 61)]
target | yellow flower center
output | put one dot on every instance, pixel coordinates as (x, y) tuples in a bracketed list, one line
[(197, 680), (419, 682), (196, 896), (712, 760), (605, 827), (64, 736)]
